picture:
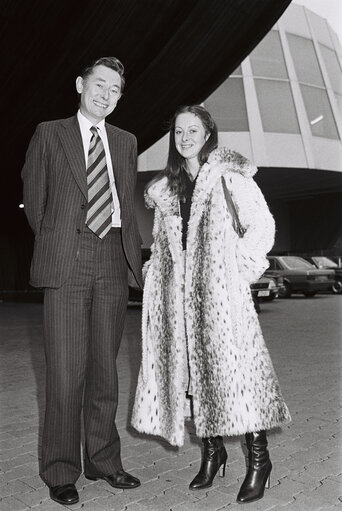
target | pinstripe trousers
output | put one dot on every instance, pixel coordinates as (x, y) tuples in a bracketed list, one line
[(83, 324)]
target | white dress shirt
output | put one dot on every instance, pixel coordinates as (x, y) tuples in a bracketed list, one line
[(85, 126)]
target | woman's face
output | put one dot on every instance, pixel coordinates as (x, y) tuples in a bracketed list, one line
[(190, 135)]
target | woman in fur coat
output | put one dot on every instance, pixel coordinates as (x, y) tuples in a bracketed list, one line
[(200, 332)]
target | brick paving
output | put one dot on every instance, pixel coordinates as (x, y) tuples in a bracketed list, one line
[(304, 338)]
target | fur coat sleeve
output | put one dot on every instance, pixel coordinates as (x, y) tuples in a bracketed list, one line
[(252, 248), (253, 212)]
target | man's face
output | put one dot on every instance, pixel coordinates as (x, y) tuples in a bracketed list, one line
[(100, 93)]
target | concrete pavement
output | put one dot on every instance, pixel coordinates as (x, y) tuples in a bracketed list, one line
[(304, 338)]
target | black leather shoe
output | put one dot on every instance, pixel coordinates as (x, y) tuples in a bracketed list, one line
[(65, 494), (121, 480)]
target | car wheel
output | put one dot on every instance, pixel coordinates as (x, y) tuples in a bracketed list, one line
[(337, 287), (309, 293), (285, 291)]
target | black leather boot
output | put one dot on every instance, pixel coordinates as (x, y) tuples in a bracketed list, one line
[(214, 458), (259, 469)]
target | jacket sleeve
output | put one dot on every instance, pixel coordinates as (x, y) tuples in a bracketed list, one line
[(34, 176), (134, 158), (258, 239)]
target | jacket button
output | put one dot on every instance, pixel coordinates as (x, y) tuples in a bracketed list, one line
[(82, 206), (78, 231)]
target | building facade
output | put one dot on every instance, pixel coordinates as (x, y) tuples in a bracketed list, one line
[(282, 108)]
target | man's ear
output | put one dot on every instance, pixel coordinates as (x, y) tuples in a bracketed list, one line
[(79, 84)]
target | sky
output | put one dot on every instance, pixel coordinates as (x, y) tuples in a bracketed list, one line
[(329, 9)]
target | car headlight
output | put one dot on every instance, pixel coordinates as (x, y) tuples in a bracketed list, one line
[(271, 284)]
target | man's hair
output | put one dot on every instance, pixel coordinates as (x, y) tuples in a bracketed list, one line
[(111, 62)]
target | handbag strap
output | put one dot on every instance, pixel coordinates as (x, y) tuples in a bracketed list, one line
[(232, 210)]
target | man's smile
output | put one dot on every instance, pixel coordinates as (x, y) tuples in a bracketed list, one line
[(99, 104)]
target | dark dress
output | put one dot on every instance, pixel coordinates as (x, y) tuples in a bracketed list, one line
[(185, 206)]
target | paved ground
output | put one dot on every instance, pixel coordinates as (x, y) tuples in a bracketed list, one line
[(303, 336)]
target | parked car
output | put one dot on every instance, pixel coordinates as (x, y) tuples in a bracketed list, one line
[(328, 264), (267, 288), (299, 276), (337, 260)]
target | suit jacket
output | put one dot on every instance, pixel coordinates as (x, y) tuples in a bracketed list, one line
[(55, 198)]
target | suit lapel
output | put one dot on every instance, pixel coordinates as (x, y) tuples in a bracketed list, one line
[(71, 140), (117, 152)]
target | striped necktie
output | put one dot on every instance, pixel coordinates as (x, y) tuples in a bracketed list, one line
[(99, 216)]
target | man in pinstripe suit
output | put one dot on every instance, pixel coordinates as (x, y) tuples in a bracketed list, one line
[(84, 272)]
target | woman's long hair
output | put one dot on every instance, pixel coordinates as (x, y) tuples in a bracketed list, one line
[(176, 163)]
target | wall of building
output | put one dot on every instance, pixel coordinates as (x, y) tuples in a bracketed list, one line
[(282, 108), (283, 105)]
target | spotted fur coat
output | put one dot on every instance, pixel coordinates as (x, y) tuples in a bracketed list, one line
[(198, 311)]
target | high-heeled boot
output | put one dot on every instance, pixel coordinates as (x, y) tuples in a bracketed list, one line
[(259, 469), (214, 459)]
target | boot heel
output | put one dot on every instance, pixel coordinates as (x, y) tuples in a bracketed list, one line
[(222, 470), (268, 482)]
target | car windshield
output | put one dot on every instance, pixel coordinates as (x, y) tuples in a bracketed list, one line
[(324, 262), (296, 263)]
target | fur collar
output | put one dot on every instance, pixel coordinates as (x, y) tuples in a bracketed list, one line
[(231, 160), (220, 161)]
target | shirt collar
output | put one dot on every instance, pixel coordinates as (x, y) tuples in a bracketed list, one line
[(86, 124)]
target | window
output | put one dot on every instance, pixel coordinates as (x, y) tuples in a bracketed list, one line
[(324, 262), (316, 101), (275, 99), (319, 112), (276, 106), (305, 60), (274, 265), (296, 263), (277, 265), (333, 68), (227, 105), (268, 59), (271, 266)]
